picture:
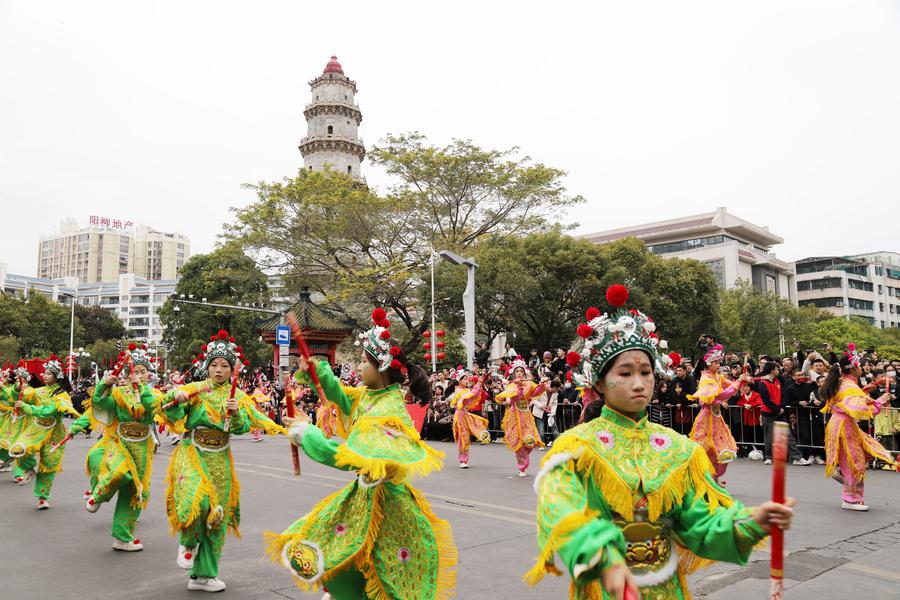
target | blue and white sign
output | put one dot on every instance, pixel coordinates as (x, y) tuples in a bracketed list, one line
[(283, 335)]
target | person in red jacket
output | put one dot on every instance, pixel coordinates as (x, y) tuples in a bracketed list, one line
[(751, 405), (769, 389)]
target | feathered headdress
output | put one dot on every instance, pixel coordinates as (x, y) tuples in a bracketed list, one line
[(715, 354), (221, 345), (53, 365)]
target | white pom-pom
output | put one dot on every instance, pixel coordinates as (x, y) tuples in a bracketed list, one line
[(663, 344), (649, 326)]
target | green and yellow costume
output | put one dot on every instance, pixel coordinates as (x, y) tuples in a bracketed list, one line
[(203, 492), (376, 538), (9, 426), (121, 463), (40, 428), (617, 490)]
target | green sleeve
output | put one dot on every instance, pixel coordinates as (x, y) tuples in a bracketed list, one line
[(726, 534), (321, 449), (594, 545), (331, 385), (43, 411), (175, 412), (80, 424), (147, 398), (103, 399), (239, 424)]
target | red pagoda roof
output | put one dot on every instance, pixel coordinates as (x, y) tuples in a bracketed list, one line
[(333, 66)]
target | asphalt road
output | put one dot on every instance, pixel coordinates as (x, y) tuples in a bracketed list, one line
[(65, 553)]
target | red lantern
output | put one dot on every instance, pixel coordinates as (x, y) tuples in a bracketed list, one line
[(441, 333), (441, 344), (427, 345), (427, 334), (441, 356), (427, 356)]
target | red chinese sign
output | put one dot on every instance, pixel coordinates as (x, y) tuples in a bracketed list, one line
[(109, 223)]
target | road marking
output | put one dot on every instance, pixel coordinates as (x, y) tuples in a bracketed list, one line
[(345, 481), (439, 506), (871, 571)]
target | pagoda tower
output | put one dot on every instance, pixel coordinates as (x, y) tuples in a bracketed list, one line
[(332, 124)]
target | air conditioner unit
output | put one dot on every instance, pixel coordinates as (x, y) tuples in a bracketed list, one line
[(839, 303)]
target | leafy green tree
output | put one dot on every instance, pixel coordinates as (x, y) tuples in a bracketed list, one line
[(99, 324), (225, 276), (103, 352), (9, 349), (360, 249)]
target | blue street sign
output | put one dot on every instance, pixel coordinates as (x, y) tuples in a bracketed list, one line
[(283, 335)]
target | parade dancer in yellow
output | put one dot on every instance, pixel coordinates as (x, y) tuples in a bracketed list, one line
[(519, 430), (467, 425)]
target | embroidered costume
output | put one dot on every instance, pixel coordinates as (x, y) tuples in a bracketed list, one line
[(376, 538), (121, 463), (467, 425), (624, 490), (847, 448), (40, 430), (519, 430), (203, 492), (710, 429)]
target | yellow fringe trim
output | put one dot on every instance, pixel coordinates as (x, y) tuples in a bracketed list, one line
[(234, 500), (391, 470), (447, 553), (560, 534), (270, 427), (205, 489), (619, 496)]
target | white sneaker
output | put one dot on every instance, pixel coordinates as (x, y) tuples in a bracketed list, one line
[(42, 504), (854, 506), (92, 505), (29, 476), (802, 462), (6, 467), (134, 545), (185, 558), (206, 584), (818, 460), (463, 465), (541, 449), (523, 474), (768, 461)]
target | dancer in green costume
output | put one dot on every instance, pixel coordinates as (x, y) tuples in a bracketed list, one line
[(376, 538), (630, 504), (203, 493), (122, 462), (8, 422), (33, 446)]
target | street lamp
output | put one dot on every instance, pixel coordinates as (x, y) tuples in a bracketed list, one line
[(78, 356), (468, 300)]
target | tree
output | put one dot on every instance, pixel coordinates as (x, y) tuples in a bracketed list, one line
[(538, 287), (467, 192), (41, 325), (103, 352), (325, 230), (225, 276), (9, 349), (99, 324)]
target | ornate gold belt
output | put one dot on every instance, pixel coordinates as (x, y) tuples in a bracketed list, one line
[(45, 422), (132, 431), (647, 545), (522, 404), (716, 410), (213, 440)]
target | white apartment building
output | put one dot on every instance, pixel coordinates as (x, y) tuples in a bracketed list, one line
[(861, 285), (731, 247), (134, 300), (108, 248)]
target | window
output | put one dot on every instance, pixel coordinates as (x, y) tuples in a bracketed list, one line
[(330, 130), (819, 284), (861, 304), (859, 285), (822, 302)]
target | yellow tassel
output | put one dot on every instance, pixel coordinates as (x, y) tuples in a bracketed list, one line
[(558, 538), (205, 489), (446, 548), (234, 499), (391, 470)]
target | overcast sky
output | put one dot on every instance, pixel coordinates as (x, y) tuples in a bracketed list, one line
[(787, 113)]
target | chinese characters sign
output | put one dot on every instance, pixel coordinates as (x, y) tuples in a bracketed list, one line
[(109, 223)]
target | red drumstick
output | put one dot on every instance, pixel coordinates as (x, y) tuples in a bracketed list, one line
[(779, 455)]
